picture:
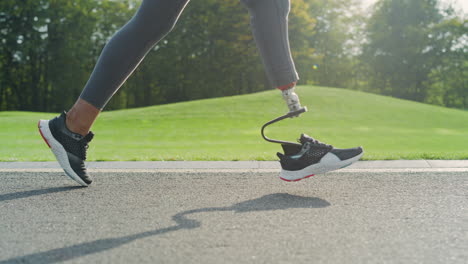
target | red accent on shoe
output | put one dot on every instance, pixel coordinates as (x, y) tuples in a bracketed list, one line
[(39, 126), (287, 86), (297, 179)]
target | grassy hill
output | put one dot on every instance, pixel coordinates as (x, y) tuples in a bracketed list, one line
[(229, 128)]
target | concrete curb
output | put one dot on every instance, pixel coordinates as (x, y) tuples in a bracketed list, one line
[(365, 165)]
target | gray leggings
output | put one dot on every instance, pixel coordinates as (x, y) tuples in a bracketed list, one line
[(156, 18)]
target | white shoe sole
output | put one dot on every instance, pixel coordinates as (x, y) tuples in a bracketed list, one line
[(329, 162), (58, 150)]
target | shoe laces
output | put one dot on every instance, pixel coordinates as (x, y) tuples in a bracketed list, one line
[(84, 143), (307, 139)]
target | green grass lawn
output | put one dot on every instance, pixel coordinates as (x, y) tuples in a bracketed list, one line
[(229, 128)]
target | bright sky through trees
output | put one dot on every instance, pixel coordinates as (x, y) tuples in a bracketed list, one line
[(459, 5)]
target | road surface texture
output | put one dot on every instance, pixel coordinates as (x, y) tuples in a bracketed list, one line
[(234, 215)]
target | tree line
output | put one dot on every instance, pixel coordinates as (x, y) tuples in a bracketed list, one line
[(408, 49)]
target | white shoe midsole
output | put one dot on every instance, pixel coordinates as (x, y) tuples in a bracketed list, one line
[(59, 152), (328, 163)]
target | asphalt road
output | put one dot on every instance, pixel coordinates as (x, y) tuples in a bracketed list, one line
[(235, 216)]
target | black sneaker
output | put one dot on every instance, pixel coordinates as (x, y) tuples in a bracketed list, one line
[(69, 148), (312, 157)]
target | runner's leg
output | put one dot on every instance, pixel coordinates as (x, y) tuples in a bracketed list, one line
[(269, 22), (121, 56)]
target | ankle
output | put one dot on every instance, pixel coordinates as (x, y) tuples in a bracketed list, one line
[(81, 117), (72, 124)]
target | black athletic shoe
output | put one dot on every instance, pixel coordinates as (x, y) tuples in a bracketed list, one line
[(69, 148), (312, 157)]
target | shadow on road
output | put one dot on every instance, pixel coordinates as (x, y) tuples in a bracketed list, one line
[(271, 202), (26, 194)]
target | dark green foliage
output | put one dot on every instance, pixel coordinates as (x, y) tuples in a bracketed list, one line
[(337, 24), (210, 53), (447, 83), (50, 47), (417, 51), (403, 48), (399, 41)]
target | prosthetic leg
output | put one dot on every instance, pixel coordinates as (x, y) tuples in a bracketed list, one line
[(309, 156), (288, 115), (292, 100), (269, 20)]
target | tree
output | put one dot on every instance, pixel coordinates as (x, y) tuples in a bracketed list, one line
[(49, 48), (447, 82), (21, 53), (398, 46), (46, 44), (335, 41)]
